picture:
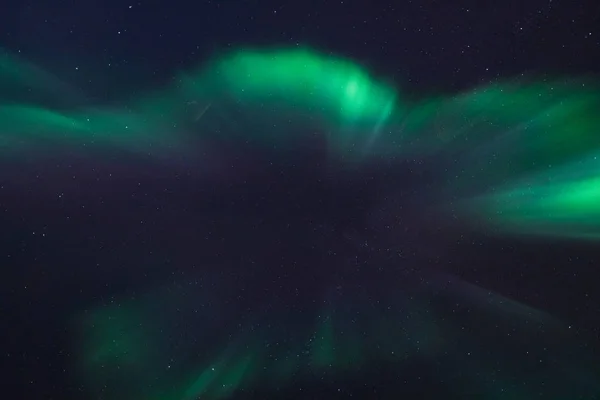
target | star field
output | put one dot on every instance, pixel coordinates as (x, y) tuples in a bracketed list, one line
[(299, 200)]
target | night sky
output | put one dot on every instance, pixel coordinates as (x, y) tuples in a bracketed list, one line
[(435, 238)]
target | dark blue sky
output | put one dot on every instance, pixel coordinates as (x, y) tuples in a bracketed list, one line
[(430, 45)]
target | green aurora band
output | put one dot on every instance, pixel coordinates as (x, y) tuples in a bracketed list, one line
[(510, 140), (524, 159), (119, 343)]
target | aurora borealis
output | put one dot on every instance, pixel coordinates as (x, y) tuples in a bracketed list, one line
[(523, 158), (292, 200), (534, 142)]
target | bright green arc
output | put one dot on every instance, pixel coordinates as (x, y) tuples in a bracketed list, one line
[(500, 135)]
